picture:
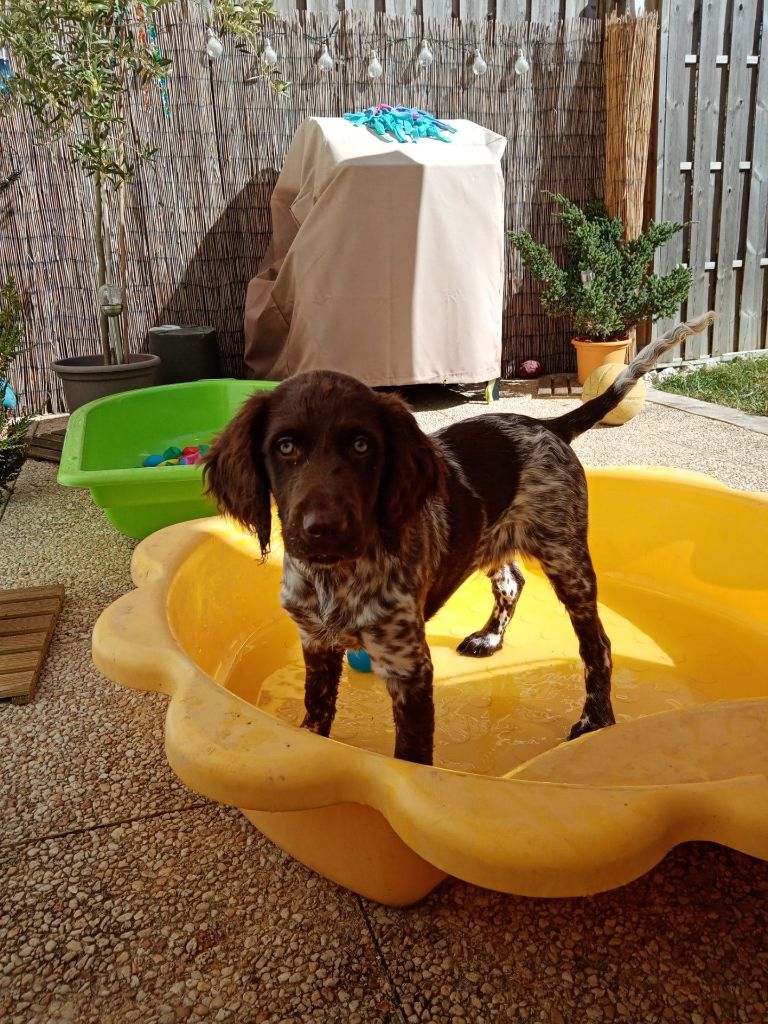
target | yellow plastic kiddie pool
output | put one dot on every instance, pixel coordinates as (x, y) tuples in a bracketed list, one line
[(682, 565)]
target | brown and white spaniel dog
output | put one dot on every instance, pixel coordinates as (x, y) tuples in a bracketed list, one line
[(381, 523)]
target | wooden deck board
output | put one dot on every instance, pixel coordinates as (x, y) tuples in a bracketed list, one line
[(558, 385), (46, 447), (18, 660), (21, 642), (30, 593), (16, 685), (28, 617), (25, 624), (36, 606)]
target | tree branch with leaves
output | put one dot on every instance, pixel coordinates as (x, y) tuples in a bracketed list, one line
[(74, 61)]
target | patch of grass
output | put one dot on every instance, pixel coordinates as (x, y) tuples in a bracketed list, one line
[(738, 383)]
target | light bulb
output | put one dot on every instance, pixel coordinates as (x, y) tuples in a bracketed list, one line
[(268, 55), (478, 64), (325, 60), (521, 64), (426, 57), (111, 299), (214, 46), (375, 70)]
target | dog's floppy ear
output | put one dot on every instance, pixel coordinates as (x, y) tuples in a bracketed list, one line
[(413, 470), (234, 471)]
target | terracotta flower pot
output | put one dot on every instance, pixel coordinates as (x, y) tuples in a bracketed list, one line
[(591, 354)]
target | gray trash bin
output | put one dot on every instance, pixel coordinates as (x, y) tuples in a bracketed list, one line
[(186, 352)]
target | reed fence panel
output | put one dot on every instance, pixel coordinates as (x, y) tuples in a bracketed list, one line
[(198, 219), (469, 10)]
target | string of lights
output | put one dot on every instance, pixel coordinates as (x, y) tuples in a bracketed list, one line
[(326, 61)]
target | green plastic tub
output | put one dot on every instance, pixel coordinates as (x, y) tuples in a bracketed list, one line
[(107, 441)]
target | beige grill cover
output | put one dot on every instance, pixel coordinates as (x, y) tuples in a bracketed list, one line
[(386, 259)]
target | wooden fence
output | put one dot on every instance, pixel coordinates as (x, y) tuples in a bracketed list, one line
[(712, 165), (544, 11)]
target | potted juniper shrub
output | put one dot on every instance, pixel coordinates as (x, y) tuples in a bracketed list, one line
[(607, 286)]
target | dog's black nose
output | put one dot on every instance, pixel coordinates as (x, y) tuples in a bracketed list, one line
[(324, 523)]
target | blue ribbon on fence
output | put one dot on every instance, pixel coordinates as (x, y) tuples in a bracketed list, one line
[(8, 398), (6, 72)]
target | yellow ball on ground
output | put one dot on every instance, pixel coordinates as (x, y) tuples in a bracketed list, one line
[(600, 380)]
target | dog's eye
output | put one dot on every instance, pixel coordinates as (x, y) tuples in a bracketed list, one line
[(286, 446), (360, 445)]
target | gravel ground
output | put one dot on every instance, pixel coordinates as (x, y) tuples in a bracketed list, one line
[(128, 898)]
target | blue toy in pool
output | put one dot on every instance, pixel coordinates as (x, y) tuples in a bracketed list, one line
[(359, 661)]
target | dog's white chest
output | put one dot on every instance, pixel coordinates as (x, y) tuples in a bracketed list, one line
[(334, 609)]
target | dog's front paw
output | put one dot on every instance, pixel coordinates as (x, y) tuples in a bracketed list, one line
[(480, 645), (585, 725), (321, 726)]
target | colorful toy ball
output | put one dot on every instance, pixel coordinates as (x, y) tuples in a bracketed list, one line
[(359, 661), (600, 380), (175, 456)]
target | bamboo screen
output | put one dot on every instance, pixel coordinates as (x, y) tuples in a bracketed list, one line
[(198, 215), (630, 72)]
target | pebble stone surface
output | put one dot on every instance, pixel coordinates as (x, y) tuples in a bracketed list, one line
[(128, 898)]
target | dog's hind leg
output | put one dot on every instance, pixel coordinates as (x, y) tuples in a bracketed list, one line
[(571, 573), (507, 584)]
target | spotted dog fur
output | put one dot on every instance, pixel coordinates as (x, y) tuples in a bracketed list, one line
[(382, 523), (507, 584)]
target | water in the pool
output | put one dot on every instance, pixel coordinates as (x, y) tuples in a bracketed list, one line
[(495, 713)]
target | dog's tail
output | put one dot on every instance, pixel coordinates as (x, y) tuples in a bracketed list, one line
[(571, 424)]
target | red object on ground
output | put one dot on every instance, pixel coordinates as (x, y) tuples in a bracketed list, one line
[(530, 368)]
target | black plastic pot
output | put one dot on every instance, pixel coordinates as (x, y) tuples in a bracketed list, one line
[(187, 352), (86, 378)]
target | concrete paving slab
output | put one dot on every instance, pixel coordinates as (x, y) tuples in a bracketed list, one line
[(659, 436), (678, 945), (128, 898), (181, 917), (710, 410)]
